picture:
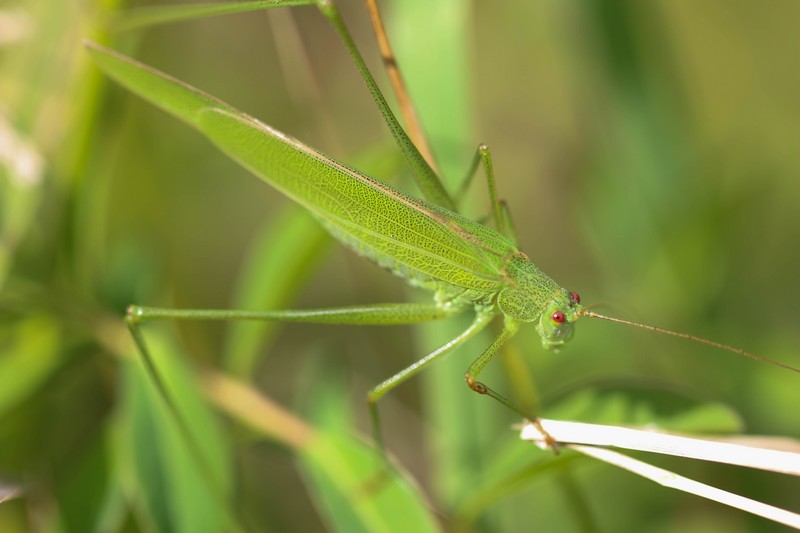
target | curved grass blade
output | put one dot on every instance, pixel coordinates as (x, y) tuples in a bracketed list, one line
[(279, 262), (144, 17), (340, 465), (163, 476), (349, 476), (357, 493), (31, 355), (595, 440)]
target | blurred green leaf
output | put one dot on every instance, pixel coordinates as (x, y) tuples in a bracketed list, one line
[(280, 261), (30, 353), (358, 494), (154, 15), (173, 489), (644, 407), (431, 46), (21, 179), (90, 494), (350, 479)]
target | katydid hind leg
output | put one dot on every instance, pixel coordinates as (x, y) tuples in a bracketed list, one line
[(371, 314), (390, 65), (426, 178), (375, 314)]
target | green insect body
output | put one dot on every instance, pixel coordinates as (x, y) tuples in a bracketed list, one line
[(465, 263)]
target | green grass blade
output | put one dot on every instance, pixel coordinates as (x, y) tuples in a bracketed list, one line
[(433, 44), (21, 172), (31, 354), (639, 406), (90, 483), (144, 17), (164, 478), (345, 475), (430, 185), (357, 495), (348, 477)]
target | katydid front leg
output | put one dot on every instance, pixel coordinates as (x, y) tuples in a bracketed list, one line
[(500, 214), (510, 328), (480, 322)]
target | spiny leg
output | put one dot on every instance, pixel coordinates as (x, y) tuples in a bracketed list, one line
[(510, 229), (413, 126), (480, 322), (470, 175), (429, 183), (372, 314), (510, 328)]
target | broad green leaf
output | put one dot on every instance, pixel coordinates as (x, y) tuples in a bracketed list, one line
[(349, 478), (356, 492)]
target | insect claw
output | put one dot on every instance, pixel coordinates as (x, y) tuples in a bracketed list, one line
[(477, 386), (548, 443), (133, 314)]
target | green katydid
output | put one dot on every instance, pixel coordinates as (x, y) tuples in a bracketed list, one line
[(467, 265)]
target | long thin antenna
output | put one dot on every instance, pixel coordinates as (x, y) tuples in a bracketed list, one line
[(739, 351)]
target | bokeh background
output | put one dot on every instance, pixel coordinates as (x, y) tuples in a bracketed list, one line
[(650, 156)]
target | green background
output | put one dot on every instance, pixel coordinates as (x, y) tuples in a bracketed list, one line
[(649, 154)]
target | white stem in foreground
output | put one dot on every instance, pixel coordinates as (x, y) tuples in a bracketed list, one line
[(585, 438)]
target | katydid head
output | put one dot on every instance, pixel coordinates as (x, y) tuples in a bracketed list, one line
[(557, 320)]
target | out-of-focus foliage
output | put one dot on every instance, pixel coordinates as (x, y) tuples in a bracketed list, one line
[(648, 152)]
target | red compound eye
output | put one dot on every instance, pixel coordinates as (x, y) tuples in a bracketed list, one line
[(557, 317), (575, 297)]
